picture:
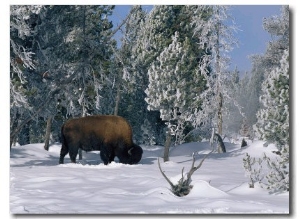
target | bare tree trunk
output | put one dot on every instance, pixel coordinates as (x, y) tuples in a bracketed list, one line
[(118, 97), (13, 127), (15, 132), (48, 132), (220, 118), (218, 74), (167, 146), (221, 145)]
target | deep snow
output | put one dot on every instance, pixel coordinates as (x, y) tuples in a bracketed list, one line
[(38, 185)]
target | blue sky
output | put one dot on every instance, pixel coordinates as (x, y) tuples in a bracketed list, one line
[(248, 18)]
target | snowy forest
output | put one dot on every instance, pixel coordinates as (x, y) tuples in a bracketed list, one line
[(168, 76)]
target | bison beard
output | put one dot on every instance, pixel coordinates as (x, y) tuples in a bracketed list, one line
[(111, 135)]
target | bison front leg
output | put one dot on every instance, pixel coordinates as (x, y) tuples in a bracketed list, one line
[(104, 157), (107, 155)]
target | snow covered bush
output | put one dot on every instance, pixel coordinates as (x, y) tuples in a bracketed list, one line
[(271, 173), (252, 168), (278, 176)]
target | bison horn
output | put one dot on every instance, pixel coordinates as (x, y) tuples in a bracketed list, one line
[(129, 151)]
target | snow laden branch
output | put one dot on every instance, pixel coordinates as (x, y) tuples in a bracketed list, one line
[(183, 186)]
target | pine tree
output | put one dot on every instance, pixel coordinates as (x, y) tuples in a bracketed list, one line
[(69, 43), (156, 35), (262, 65), (273, 119), (23, 22), (216, 36), (173, 83), (270, 81), (134, 80)]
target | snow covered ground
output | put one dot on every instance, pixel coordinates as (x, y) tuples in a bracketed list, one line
[(38, 185)]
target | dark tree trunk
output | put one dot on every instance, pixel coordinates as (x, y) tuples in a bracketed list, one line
[(118, 97), (24, 135), (167, 146), (14, 127), (48, 132), (221, 145)]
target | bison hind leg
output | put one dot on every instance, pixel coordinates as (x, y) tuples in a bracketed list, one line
[(73, 151), (73, 154), (64, 150)]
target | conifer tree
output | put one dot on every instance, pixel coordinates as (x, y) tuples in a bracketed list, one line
[(273, 115), (216, 36), (23, 22), (273, 118), (173, 85), (71, 59), (156, 35), (278, 27)]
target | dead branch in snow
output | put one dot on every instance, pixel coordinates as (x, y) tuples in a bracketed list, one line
[(183, 186)]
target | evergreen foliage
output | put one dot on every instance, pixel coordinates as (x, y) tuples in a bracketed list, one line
[(215, 36), (271, 174), (270, 82), (173, 87), (273, 119), (278, 175), (70, 64), (252, 168)]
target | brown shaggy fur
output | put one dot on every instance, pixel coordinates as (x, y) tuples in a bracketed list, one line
[(112, 135)]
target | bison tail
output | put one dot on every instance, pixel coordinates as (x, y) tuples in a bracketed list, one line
[(64, 147)]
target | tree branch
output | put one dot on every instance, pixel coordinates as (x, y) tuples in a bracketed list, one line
[(164, 175), (193, 168)]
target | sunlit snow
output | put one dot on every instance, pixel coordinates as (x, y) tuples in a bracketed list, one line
[(39, 185)]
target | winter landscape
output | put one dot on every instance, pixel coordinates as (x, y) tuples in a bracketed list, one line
[(162, 75), (40, 186)]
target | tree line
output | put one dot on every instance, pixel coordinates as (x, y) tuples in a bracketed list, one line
[(168, 77)]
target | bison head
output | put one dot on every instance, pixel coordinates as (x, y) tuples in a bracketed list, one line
[(134, 155)]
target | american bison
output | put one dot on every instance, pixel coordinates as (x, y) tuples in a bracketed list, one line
[(111, 135)]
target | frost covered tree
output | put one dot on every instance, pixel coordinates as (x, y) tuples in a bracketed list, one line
[(134, 80), (273, 118), (156, 35), (215, 35), (262, 65), (89, 57), (71, 60), (234, 117), (273, 115), (23, 22), (173, 86)]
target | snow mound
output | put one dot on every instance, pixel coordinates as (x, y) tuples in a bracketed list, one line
[(203, 189)]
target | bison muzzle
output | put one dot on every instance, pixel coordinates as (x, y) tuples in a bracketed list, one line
[(111, 135)]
